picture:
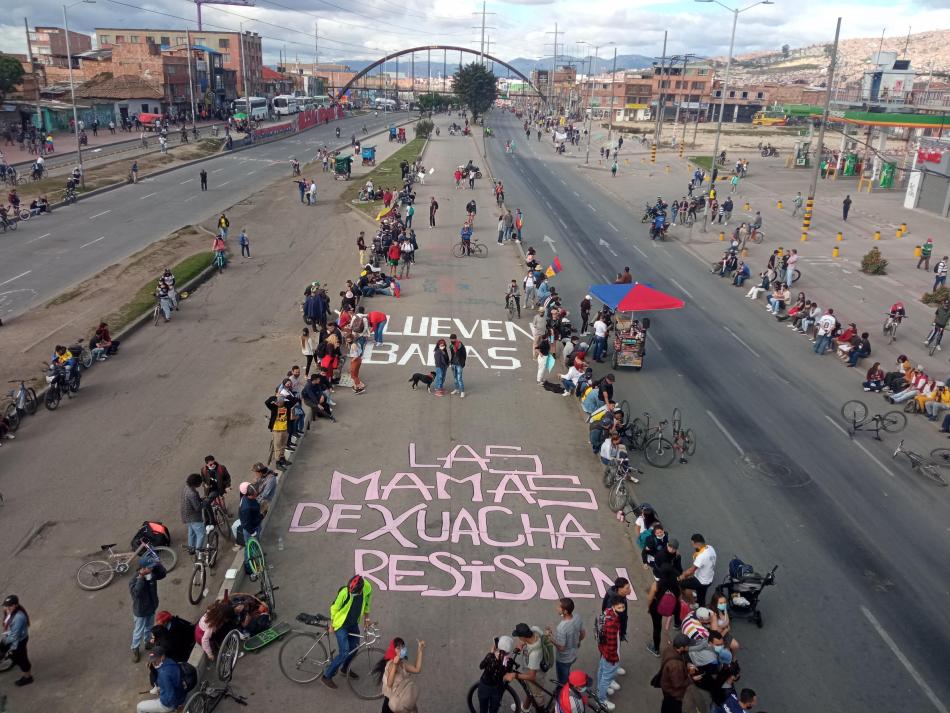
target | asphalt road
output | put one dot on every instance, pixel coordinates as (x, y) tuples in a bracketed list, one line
[(48, 254), (858, 619)]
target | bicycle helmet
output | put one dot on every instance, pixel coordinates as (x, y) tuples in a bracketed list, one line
[(355, 584)]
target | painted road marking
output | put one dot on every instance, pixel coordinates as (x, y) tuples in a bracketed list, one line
[(33, 240), (561, 221), (861, 446), (22, 274), (225, 183), (189, 180), (681, 288), (726, 433), (251, 173), (637, 248), (593, 209), (217, 169), (148, 196), (739, 339), (92, 217), (101, 237), (576, 194), (899, 655), (655, 342), (190, 198), (613, 227)]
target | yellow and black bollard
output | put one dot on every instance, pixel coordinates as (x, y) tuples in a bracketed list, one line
[(835, 252), (839, 237), (653, 153)]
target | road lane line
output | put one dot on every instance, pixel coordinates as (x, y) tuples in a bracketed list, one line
[(92, 217), (148, 196), (190, 199), (576, 194), (22, 274), (224, 184), (33, 240), (186, 181), (613, 227), (217, 169), (837, 425), (593, 209), (726, 433), (739, 339), (655, 342), (563, 224), (681, 288), (864, 450), (101, 237), (251, 173), (637, 248), (899, 655)]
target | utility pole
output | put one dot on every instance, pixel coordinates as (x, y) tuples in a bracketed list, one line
[(483, 13), (36, 82), (191, 83), (613, 78), (816, 169), (590, 109), (660, 96), (553, 67), (72, 93), (244, 72)]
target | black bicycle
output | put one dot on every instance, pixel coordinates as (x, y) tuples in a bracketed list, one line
[(208, 697), (856, 414), (933, 341), (510, 701)]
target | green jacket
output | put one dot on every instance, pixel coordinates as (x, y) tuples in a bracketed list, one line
[(341, 605), (926, 249)]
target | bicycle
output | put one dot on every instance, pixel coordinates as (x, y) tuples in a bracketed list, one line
[(236, 644), (219, 262), (756, 236), (259, 572), (84, 357), (511, 307), (305, 654), (217, 513), (617, 475), (473, 247), (921, 464), (856, 414), (656, 447), (205, 559), (208, 697), (509, 698), (933, 341), (8, 223), (23, 402), (98, 574), (684, 440)]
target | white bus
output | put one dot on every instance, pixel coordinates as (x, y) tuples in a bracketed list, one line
[(286, 104), (258, 109), (381, 104)]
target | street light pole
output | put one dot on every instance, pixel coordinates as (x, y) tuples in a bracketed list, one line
[(72, 93), (613, 77)]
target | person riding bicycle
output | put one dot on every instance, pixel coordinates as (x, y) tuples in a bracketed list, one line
[(466, 235), (215, 478), (941, 317), (513, 293), (897, 312), (572, 698)]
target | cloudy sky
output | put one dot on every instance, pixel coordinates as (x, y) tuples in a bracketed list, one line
[(365, 29)]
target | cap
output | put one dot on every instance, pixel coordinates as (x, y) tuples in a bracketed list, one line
[(246, 489), (578, 679), (523, 631), (673, 543), (163, 617), (681, 640), (506, 644), (11, 601), (147, 562), (703, 613), (156, 652)]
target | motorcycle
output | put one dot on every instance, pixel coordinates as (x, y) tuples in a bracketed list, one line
[(658, 232), (649, 213), (769, 151), (338, 132), (61, 380)]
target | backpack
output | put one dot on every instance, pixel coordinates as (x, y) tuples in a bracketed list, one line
[(153, 532), (189, 676), (599, 627), (357, 324), (547, 650)]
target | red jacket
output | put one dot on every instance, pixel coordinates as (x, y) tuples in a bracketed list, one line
[(376, 318), (610, 646), (394, 251)]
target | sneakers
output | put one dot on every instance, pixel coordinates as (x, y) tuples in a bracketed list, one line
[(515, 708), (23, 681), (613, 688), (455, 391), (153, 690), (623, 671), (655, 652), (609, 705), (867, 388), (461, 394), (566, 393)]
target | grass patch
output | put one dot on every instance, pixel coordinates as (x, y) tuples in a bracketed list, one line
[(386, 173), (144, 299)]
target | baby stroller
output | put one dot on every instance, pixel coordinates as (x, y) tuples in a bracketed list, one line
[(742, 588)]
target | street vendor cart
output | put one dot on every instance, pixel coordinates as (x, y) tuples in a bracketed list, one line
[(629, 340), (341, 167), (369, 155), (401, 137)]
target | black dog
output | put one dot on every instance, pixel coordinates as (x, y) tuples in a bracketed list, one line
[(423, 378)]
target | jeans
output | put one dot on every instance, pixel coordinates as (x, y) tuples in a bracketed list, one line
[(141, 628), (439, 378), (345, 640), (196, 535), (568, 385), (600, 347), (605, 676), (939, 281), (903, 396), (739, 279), (489, 698), (245, 250), (530, 297), (378, 332), (855, 355), (457, 375), (822, 344), (933, 409), (563, 671)]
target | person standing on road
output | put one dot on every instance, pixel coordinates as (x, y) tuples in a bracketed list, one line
[(531, 650), (143, 588), (471, 178), (585, 313), (701, 573), (410, 211), (355, 353), (514, 294), (16, 636), (567, 638), (497, 670), (312, 193), (245, 243), (457, 360), (249, 514), (377, 322), (845, 207), (134, 171), (352, 605), (278, 425), (613, 169), (609, 647), (519, 224), (797, 202), (926, 250), (433, 207), (192, 513), (223, 225), (826, 327), (674, 674), (600, 339), (204, 179), (111, 127), (442, 360), (941, 273), (400, 692), (301, 187)]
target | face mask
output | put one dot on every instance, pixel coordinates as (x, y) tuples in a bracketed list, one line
[(721, 607), (403, 653)]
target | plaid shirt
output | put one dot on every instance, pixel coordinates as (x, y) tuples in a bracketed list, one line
[(610, 644)]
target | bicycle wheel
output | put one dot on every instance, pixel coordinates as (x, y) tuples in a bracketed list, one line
[(934, 343), (303, 656), (267, 591), (198, 703), (196, 588), (458, 250), (854, 412), (677, 421), (255, 555), (893, 421), (508, 699), (480, 250), (211, 542), (13, 417), (156, 315), (6, 663), (689, 441), (619, 496), (941, 456), (625, 410), (637, 433), (228, 655), (932, 471), (95, 575), (609, 475), (30, 404), (659, 452), (52, 399), (359, 670), (886, 329), (85, 358), (167, 556), (221, 517)]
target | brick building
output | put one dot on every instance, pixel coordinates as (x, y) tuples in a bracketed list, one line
[(49, 45), (228, 44)]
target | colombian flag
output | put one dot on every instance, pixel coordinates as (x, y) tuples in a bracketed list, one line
[(555, 268)]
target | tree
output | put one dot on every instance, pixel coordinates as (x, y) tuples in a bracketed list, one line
[(434, 100), (476, 88), (11, 74), (785, 50)]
